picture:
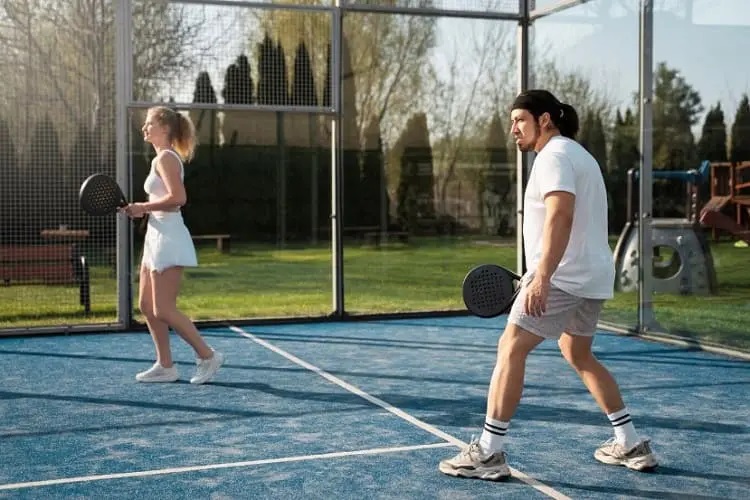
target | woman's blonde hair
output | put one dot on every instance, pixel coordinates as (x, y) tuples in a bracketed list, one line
[(181, 130)]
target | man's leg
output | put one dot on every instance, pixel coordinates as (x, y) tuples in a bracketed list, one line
[(506, 384), (601, 384), (485, 459), (626, 448)]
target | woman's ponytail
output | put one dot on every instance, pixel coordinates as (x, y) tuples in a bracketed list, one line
[(184, 138)]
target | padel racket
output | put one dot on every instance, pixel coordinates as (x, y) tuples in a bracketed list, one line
[(101, 195), (489, 290)]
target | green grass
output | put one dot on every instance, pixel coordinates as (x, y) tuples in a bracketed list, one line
[(263, 281)]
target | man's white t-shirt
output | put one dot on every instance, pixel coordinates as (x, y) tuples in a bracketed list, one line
[(587, 267)]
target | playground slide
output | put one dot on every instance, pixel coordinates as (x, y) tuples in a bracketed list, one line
[(713, 218)]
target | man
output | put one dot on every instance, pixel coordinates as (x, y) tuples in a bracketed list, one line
[(570, 273)]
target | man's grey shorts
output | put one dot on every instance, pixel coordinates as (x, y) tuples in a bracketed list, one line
[(565, 313)]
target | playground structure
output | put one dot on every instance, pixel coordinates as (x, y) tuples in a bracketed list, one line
[(682, 258), (730, 192), (683, 263)]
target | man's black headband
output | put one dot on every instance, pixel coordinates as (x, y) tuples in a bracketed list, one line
[(538, 102)]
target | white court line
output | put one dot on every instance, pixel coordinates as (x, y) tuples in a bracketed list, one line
[(538, 485), (194, 468)]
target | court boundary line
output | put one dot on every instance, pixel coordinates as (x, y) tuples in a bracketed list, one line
[(521, 476), (227, 465)]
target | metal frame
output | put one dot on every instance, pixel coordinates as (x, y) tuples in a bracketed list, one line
[(646, 319), (124, 93), (525, 16), (337, 174), (523, 160), (433, 11)]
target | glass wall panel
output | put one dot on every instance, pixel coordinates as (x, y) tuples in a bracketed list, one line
[(701, 113), (229, 54), (505, 6), (57, 102), (258, 210), (588, 56), (259, 187), (429, 174)]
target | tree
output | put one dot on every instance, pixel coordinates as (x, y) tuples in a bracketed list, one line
[(41, 187), (303, 79), (273, 87), (495, 188), (593, 138), (712, 145), (206, 208), (676, 108), (574, 88), (205, 120), (302, 131), (375, 203), (740, 148), (65, 50), (239, 89), (238, 82), (11, 195), (456, 112), (389, 56), (624, 155), (415, 195), (326, 101)]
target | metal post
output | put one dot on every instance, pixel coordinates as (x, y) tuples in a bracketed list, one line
[(123, 95), (337, 257), (522, 159), (646, 318)]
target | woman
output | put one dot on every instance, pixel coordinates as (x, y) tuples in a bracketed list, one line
[(168, 247)]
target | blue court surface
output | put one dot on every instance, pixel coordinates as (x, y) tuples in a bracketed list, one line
[(356, 410)]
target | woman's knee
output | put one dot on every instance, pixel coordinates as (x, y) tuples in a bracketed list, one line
[(146, 308), (164, 312)]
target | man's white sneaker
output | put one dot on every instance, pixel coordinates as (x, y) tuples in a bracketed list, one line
[(207, 368), (640, 457), (158, 373), (472, 462)]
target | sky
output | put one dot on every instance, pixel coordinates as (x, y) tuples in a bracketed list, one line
[(706, 40), (706, 45)]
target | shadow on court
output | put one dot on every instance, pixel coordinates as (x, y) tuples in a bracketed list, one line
[(360, 409)]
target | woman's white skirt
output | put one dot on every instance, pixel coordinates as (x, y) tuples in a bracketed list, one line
[(167, 243)]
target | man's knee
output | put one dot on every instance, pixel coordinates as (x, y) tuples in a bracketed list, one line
[(576, 350), (517, 342)]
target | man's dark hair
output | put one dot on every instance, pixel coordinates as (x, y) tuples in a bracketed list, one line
[(537, 102)]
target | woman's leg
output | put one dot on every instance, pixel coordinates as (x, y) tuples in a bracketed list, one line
[(158, 329), (166, 287)]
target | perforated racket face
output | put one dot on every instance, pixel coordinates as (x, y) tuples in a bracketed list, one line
[(489, 290), (101, 195)]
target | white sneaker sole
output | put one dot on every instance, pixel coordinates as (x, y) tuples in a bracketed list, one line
[(642, 463), (485, 474), (164, 380)]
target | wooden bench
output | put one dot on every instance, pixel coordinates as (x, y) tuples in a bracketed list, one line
[(222, 240), (377, 237), (48, 265)]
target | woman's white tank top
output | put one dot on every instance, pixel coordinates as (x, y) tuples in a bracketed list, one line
[(154, 184)]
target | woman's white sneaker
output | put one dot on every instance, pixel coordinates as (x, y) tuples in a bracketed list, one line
[(158, 373), (207, 368)]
